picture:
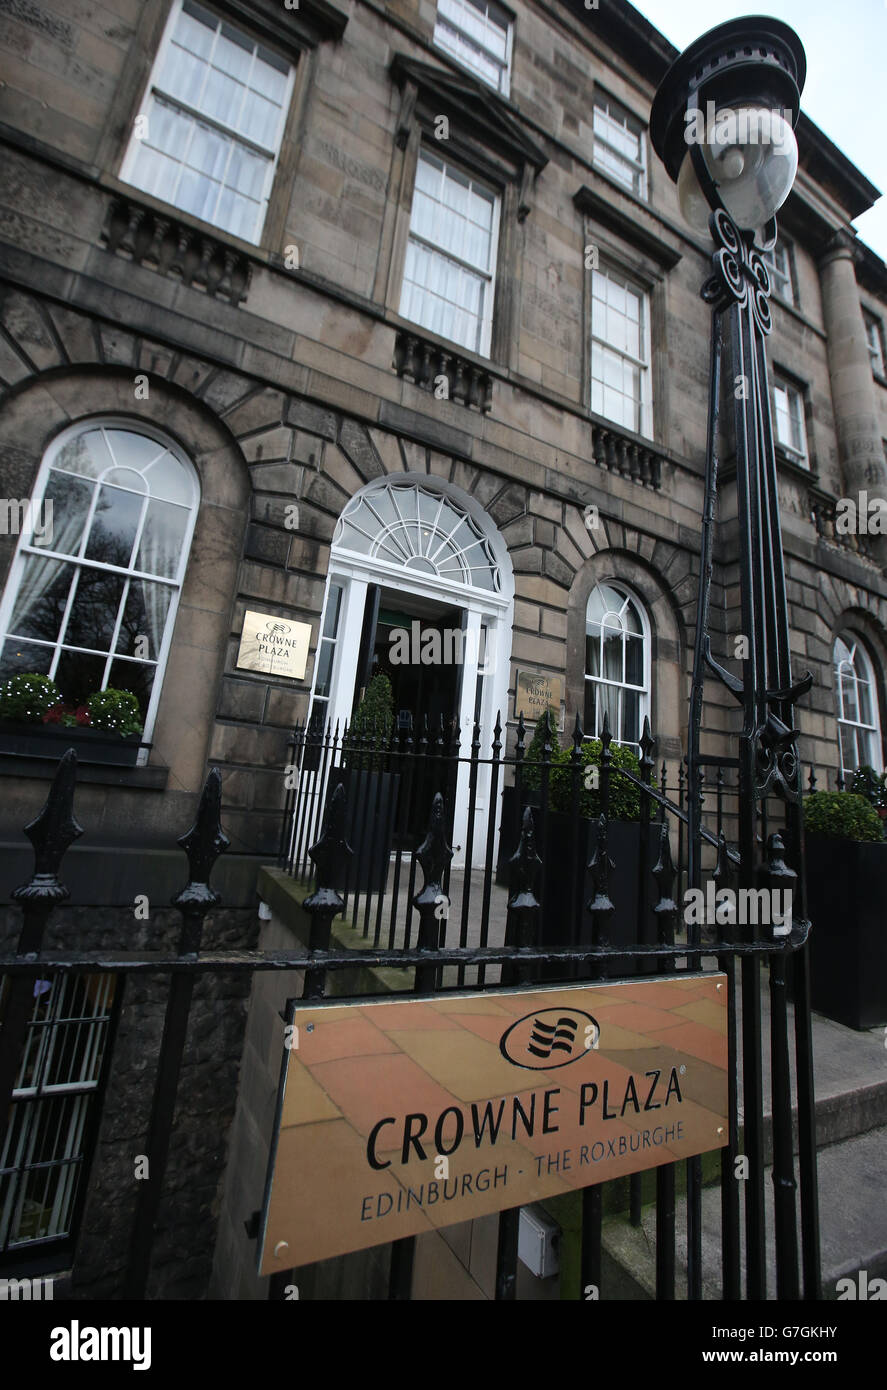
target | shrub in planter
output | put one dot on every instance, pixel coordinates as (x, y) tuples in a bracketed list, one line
[(371, 791), (371, 725), (846, 887), (843, 815), (25, 698), (625, 798), (114, 710), (546, 726)]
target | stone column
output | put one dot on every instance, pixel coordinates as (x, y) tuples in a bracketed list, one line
[(860, 449)]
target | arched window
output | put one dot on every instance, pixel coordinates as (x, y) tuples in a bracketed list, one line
[(617, 664), (856, 705), (415, 529), (93, 590)]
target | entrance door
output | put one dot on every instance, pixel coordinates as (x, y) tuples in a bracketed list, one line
[(418, 556)]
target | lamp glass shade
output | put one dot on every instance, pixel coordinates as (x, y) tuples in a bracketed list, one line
[(752, 156)]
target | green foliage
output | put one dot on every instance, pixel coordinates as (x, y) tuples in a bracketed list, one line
[(371, 725), (625, 798), (843, 815), (533, 756), (27, 697), (115, 710), (866, 782)]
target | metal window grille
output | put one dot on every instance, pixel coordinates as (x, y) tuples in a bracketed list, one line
[(48, 1143)]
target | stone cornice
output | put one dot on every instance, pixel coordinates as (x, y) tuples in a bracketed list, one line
[(610, 215), (310, 23), (466, 102)]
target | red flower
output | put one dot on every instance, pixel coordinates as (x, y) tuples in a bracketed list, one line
[(81, 714), (54, 714)]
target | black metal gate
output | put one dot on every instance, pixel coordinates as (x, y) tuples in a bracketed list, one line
[(410, 926)]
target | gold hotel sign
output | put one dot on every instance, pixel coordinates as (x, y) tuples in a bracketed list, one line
[(402, 1115)]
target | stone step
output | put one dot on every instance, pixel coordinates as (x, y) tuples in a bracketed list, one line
[(853, 1228)]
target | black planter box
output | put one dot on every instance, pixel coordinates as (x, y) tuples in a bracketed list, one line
[(565, 866), (847, 903), (371, 806), (52, 740)]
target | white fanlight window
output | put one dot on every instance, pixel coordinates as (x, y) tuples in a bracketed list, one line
[(477, 33), (617, 664), (94, 587), (856, 702), (620, 352), (424, 533), (449, 276), (208, 135)]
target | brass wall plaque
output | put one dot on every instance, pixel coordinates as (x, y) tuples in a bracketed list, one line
[(535, 692), (402, 1115), (275, 645)]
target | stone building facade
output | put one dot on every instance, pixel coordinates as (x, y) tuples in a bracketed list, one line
[(278, 353)]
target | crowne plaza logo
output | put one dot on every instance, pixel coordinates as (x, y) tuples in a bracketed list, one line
[(549, 1038)]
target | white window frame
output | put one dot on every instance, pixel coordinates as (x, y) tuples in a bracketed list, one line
[(874, 336), (176, 583), (794, 395), (155, 93), (643, 691), (446, 23), (781, 278), (861, 667), (621, 115), (645, 403), (486, 322)]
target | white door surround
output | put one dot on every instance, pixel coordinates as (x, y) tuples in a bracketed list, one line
[(422, 535)]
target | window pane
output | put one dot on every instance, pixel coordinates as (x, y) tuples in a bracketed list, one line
[(20, 657), (324, 669), (78, 676), (70, 499), (94, 611), (42, 596), (114, 526), (168, 479), (144, 615), (134, 676), (86, 454), (163, 535)]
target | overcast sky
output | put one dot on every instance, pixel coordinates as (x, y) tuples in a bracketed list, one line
[(846, 88)]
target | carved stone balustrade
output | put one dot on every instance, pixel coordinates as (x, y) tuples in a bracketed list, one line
[(442, 372), (619, 452), (173, 248)]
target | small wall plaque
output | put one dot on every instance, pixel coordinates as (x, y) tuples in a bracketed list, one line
[(535, 692), (275, 645)]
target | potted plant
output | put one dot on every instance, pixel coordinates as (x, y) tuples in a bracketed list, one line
[(370, 786), (846, 890), (34, 720), (567, 831)]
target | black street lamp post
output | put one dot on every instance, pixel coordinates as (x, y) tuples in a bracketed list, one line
[(722, 123)]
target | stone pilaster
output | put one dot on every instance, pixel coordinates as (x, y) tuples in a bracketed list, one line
[(853, 390)]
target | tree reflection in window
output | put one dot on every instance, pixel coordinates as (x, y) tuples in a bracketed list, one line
[(91, 603)]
